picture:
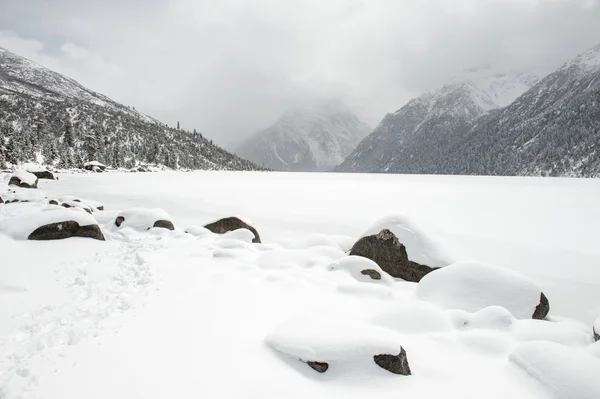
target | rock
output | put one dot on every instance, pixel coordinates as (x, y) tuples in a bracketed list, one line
[(374, 274), (230, 224), (119, 220), (43, 174), (16, 181), (77, 204), (596, 335), (318, 366), (541, 310), (1, 200), (94, 166), (397, 364), (164, 224), (62, 230), (596, 329), (385, 250), (53, 202)]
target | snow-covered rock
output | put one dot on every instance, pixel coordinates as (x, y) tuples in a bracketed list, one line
[(311, 138), (361, 269), (423, 244), (228, 224), (564, 372), (23, 179), (50, 222), (94, 166), (143, 219), (473, 286), (334, 342), (596, 329)]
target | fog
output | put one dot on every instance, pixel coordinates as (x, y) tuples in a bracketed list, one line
[(229, 67)]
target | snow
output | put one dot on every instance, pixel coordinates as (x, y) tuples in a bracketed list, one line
[(423, 244), (472, 286), (94, 163), (154, 314), (565, 373), (354, 265), (21, 225), (141, 218)]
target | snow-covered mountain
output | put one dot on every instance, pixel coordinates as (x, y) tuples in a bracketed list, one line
[(553, 129), (50, 118), (310, 138), (417, 133)]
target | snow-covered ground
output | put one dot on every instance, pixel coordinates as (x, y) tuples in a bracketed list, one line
[(158, 313)]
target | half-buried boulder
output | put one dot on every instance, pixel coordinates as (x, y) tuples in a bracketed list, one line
[(62, 230), (390, 254), (24, 179), (144, 219), (225, 225), (397, 364), (596, 329), (472, 286), (361, 269), (40, 172), (51, 223), (94, 166)]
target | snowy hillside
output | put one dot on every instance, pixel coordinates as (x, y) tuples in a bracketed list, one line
[(311, 138), (48, 118), (406, 140), (145, 303)]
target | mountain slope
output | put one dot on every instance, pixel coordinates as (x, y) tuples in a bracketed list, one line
[(313, 138), (47, 117), (410, 138), (552, 129)]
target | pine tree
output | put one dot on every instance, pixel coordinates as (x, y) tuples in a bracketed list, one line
[(69, 137)]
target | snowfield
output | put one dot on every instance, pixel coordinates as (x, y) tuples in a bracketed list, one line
[(158, 313)]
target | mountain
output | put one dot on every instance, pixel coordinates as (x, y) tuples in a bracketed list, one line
[(48, 118), (414, 137), (310, 138), (551, 130)]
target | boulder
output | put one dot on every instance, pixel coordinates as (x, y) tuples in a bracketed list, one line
[(473, 286), (66, 229), (390, 254), (397, 364), (321, 367), (596, 329), (1, 200), (164, 224), (94, 166), (43, 174), (76, 204), (225, 225), (23, 179), (53, 202)]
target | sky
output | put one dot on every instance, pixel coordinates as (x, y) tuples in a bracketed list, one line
[(229, 68)]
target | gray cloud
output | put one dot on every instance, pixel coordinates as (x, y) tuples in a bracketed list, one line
[(229, 67)]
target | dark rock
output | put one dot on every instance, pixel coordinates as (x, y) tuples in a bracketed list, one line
[(62, 230), (541, 310), (15, 181), (119, 220), (596, 334), (53, 202), (374, 274), (100, 208), (318, 366), (230, 224), (397, 364), (43, 174), (94, 167), (76, 200), (164, 224), (390, 254), (1, 200)]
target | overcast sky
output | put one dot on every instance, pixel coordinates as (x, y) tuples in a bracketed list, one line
[(229, 67)]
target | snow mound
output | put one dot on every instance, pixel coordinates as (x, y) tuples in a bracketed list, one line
[(472, 286), (492, 317), (412, 318), (596, 327), (355, 265), (21, 226), (25, 177), (244, 235), (303, 258), (94, 205), (141, 218), (423, 245), (594, 349), (24, 195), (198, 231), (330, 340), (316, 240), (564, 372)]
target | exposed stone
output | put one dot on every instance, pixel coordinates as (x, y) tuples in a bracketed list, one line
[(119, 220), (53, 202), (43, 174), (374, 274), (15, 181), (390, 254), (596, 334), (62, 230), (541, 310), (100, 208), (397, 364), (230, 224), (164, 224), (318, 366)]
